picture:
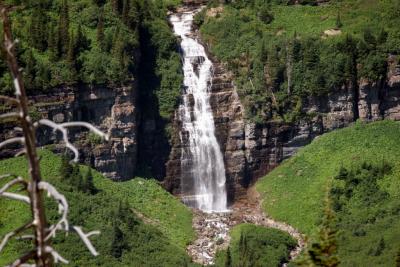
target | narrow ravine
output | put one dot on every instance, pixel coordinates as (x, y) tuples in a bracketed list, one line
[(203, 180)]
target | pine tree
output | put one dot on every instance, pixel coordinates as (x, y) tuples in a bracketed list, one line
[(398, 258), (66, 169), (117, 244), (323, 253), (38, 29), (63, 29), (339, 23), (88, 185), (228, 261), (52, 43), (71, 54), (81, 41), (125, 12), (29, 70), (100, 30)]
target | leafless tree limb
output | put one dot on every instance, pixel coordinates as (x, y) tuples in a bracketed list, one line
[(21, 261), (56, 256), (16, 197), (62, 209), (18, 140), (10, 100), (85, 239), (17, 180), (13, 233), (10, 115)]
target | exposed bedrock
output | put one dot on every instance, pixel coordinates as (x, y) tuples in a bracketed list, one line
[(110, 109)]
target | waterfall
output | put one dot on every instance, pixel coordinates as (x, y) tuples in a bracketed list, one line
[(202, 165)]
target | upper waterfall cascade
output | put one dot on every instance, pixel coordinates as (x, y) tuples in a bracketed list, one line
[(201, 160)]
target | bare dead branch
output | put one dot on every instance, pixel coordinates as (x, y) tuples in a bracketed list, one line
[(86, 125), (10, 115), (18, 140), (64, 131), (17, 180), (13, 233), (62, 209), (8, 99), (20, 153), (85, 239), (56, 256), (16, 197), (28, 256)]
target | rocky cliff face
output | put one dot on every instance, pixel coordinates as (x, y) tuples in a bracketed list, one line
[(111, 110)]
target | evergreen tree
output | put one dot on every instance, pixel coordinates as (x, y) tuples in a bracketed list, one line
[(339, 23), (380, 247), (125, 12), (228, 261), (88, 185), (118, 243), (66, 169), (323, 253), (52, 43), (29, 70), (398, 258), (100, 30), (81, 41), (38, 29), (71, 54), (63, 29)]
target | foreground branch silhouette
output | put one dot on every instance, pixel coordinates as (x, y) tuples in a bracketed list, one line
[(42, 253)]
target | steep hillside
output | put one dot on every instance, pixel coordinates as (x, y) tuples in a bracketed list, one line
[(285, 55), (364, 158), (139, 221)]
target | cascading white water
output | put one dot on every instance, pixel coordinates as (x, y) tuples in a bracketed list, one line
[(201, 160)]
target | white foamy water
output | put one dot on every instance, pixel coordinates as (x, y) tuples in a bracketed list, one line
[(202, 160)]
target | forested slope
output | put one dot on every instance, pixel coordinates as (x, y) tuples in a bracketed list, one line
[(140, 223), (283, 53)]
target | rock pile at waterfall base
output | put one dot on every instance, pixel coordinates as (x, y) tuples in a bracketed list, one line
[(213, 229)]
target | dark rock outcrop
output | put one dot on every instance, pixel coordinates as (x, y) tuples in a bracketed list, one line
[(111, 110)]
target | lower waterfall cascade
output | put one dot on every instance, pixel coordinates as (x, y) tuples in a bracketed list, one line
[(203, 172)]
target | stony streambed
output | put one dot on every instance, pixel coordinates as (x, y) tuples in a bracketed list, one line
[(213, 229)]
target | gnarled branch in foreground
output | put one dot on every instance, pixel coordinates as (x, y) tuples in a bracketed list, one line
[(42, 254)]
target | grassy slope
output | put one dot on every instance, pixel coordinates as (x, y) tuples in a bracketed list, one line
[(355, 15), (294, 190), (167, 214)]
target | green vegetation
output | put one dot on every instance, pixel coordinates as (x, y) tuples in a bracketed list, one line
[(365, 196), (281, 56), (140, 223), (87, 42), (256, 246)]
